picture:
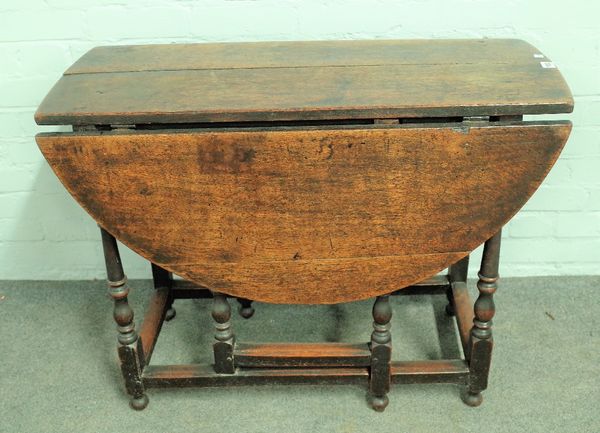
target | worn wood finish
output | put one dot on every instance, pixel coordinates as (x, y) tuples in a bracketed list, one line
[(129, 353), (304, 215), (303, 81), (298, 54), (302, 355)]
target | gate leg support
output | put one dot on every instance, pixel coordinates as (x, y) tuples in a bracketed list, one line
[(381, 353), (481, 341), (129, 353)]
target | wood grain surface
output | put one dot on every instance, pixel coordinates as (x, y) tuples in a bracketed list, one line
[(288, 81), (306, 215), (299, 54)]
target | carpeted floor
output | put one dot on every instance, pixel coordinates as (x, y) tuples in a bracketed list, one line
[(59, 371)]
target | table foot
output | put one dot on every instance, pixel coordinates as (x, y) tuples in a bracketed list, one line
[(472, 399), (170, 314), (246, 309), (139, 403), (379, 403), (450, 310)]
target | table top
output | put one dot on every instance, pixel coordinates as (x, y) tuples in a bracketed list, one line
[(302, 214), (296, 81)]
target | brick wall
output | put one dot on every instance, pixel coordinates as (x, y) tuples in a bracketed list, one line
[(45, 235)]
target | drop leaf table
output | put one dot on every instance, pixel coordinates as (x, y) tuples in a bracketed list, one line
[(305, 173)]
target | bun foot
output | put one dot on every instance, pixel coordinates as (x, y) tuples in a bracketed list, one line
[(246, 312), (139, 403), (379, 403), (246, 308), (472, 399), (170, 314)]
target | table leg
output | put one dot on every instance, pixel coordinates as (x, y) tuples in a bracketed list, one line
[(163, 278), (481, 341), (129, 353), (223, 346), (381, 353)]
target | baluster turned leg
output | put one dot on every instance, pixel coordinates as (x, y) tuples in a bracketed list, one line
[(129, 355), (246, 309), (381, 353), (164, 278), (223, 346), (457, 273), (481, 341)]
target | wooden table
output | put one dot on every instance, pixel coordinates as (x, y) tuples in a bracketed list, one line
[(306, 173)]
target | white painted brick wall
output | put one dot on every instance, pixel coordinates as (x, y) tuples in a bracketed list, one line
[(44, 234)]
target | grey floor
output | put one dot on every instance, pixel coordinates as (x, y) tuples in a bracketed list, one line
[(59, 371)]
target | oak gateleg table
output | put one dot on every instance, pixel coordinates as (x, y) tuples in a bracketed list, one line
[(306, 173)]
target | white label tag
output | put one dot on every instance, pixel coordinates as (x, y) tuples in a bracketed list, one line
[(548, 65), (538, 56)]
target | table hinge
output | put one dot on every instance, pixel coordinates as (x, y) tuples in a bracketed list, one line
[(386, 121), (83, 128), (472, 119), (123, 126)]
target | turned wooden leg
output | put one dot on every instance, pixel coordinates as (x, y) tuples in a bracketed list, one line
[(457, 273), (246, 309), (481, 341), (164, 278), (381, 353), (129, 354), (223, 346)]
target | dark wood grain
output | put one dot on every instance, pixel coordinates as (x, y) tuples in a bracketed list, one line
[(301, 215), (305, 81)]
